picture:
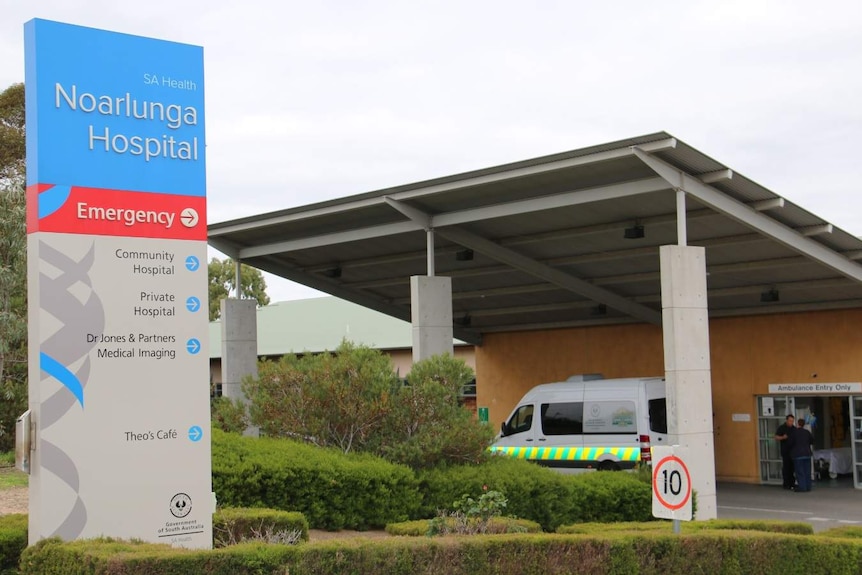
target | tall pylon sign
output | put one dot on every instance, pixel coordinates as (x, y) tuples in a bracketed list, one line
[(116, 224)]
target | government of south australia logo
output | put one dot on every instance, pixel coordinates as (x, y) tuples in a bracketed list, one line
[(181, 505)]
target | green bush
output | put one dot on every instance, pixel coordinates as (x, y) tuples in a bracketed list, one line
[(13, 540), (609, 497), (797, 528), (113, 557), (496, 526), (539, 494), (714, 552), (229, 414), (533, 492), (234, 525), (352, 399), (333, 490), (845, 532)]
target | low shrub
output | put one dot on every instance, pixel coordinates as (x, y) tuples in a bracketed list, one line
[(13, 540), (496, 526), (796, 528), (718, 552), (235, 525), (539, 494), (533, 492), (845, 532), (114, 557), (333, 490)]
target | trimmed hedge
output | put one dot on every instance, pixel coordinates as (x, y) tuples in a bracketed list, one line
[(13, 540), (796, 528), (496, 526), (233, 525), (718, 552), (845, 532), (540, 494), (334, 491)]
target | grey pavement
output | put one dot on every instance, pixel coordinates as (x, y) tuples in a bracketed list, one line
[(831, 503)]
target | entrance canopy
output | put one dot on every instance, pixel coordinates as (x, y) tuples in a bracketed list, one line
[(565, 240)]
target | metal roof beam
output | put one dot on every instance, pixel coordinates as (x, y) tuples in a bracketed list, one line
[(561, 261), (279, 268), (745, 215), (493, 292), (717, 176), (330, 239), (555, 235), (549, 274), (420, 220), (810, 231), (770, 204)]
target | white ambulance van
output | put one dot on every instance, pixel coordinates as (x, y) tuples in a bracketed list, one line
[(587, 422)]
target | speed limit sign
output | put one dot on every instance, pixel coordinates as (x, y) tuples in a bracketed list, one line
[(671, 484)]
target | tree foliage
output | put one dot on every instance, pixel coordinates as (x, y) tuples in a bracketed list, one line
[(12, 142), (13, 264), (351, 399), (222, 281)]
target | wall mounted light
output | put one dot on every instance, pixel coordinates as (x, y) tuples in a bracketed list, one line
[(635, 232), (599, 310), (769, 296)]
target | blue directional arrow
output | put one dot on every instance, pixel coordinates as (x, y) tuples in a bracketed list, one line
[(193, 346), (195, 433), (192, 263), (193, 304)]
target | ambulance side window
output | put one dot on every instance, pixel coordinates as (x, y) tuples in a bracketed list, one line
[(563, 418), (522, 420), (658, 415)]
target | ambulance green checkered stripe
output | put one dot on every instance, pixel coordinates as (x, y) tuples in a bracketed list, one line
[(569, 453)]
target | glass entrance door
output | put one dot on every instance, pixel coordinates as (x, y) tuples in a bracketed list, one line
[(856, 434), (771, 411)]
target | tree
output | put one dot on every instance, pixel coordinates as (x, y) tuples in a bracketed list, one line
[(12, 142), (352, 400), (13, 268), (222, 278), (428, 424), (335, 399)]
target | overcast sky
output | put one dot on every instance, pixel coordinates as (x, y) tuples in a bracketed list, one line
[(308, 101)]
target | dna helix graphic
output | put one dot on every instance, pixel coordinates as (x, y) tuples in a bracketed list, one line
[(66, 347)]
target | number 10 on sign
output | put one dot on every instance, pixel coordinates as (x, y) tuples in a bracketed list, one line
[(671, 483)]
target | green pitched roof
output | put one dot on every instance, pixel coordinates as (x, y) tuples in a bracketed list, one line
[(320, 324)]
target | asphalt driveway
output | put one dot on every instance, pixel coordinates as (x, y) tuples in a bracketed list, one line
[(831, 503)]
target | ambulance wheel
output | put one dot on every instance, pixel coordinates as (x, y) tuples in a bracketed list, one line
[(608, 466)]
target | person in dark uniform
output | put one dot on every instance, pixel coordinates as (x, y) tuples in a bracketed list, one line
[(800, 449), (783, 434)]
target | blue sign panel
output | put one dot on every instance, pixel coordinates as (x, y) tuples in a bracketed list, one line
[(114, 111)]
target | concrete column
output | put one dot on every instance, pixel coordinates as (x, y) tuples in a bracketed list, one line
[(431, 314), (238, 347), (685, 324)]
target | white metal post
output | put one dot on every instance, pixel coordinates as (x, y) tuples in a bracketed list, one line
[(238, 278), (681, 230), (430, 235)]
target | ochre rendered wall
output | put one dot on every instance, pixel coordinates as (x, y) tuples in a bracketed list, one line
[(748, 353)]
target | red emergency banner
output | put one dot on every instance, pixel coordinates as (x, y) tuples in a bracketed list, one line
[(118, 213)]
